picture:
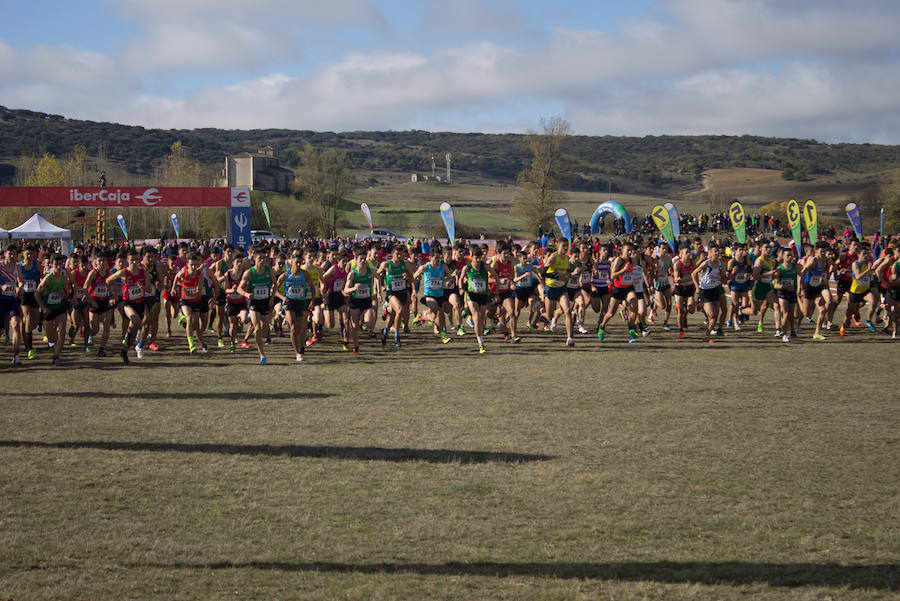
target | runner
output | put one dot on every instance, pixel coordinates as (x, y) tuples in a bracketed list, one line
[(235, 302), (682, 270), (815, 272), (707, 278), (526, 294), (98, 294), (359, 285), (31, 273), (861, 288), (397, 275), (191, 280), (503, 273), (135, 282), (622, 292), (52, 294), (434, 274), (764, 296), (313, 294), (153, 299), (555, 279), (335, 302), (843, 275), (256, 286), (291, 289), (10, 308), (474, 277), (785, 284), (662, 282), (80, 317), (740, 271)]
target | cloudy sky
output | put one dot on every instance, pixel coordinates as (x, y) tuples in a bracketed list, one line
[(824, 69)]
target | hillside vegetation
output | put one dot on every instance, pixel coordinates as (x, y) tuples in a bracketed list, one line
[(655, 165)]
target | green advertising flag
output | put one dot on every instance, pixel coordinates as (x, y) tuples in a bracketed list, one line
[(793, 215), (738, 221), (811, 217)]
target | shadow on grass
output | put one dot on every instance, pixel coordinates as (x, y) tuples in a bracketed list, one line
[(182, 396), (877, 576), (317, 452)]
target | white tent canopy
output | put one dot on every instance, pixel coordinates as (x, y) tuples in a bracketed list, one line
[(38, 228)]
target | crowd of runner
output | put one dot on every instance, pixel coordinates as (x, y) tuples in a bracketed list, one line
[(125, 302)]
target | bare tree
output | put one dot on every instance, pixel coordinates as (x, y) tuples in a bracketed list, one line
[(325, 180), (539, 195)]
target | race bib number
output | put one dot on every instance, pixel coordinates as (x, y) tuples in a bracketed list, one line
[(714, 282), (135, 292), (79, 292), (585, 277), (815, 281), (435, 283), (787, 284), (398, 284), (865, 280), (662, 282), (524, 283), (572, 283), (479, 285), (741, 278), (296, 292), (260, 292), (54, 298), (191, 291), (627, 279), (100, 291), (338, 285), (766, 279), (602, 279), (10, 292), (30, 285), (363, 291)]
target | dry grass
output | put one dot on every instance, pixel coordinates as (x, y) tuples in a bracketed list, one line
[(667, 469)]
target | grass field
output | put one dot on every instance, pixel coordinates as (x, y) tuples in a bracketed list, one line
[(666, 469)]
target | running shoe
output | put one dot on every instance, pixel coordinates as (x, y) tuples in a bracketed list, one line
[(397, 340), (843, 331), (268, 340), (600, 333), (139, 351), (87, 349), (191, 344), (460, 331), (262, 360), (516, 340), (124, 354), (828, 325), (16, 360), (245, 344), (31, 353), (553, 325), (344, 346), (759, 328), (582, 330), (299, 357), (645, 331), (384, 334), (481, 349), (666, 327), (856, 321), (355, 350), (818, 337), (870, 325), (101, 353), (182, 320), (221, 343), (681, 333), (737, 326), (779, 333), (570, 342), (633, 334), (232, 348), (444, 338), (469, 322), (785, 338), (728, 324), (720, 332), (55, 360), (153, 347), (204, 348)]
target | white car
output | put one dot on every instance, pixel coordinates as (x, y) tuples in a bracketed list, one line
[(381, 235), (262, 235)]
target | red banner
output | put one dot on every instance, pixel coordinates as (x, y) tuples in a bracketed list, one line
[(34, 196)]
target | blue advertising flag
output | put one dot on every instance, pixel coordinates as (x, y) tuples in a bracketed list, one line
[(564, 223), (175, 225), (449, 222), (121, 220), (855, 219)]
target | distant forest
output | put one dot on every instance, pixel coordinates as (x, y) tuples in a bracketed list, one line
[(630, 164)]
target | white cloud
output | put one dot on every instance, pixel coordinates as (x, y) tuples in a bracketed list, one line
[(814, 69)]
